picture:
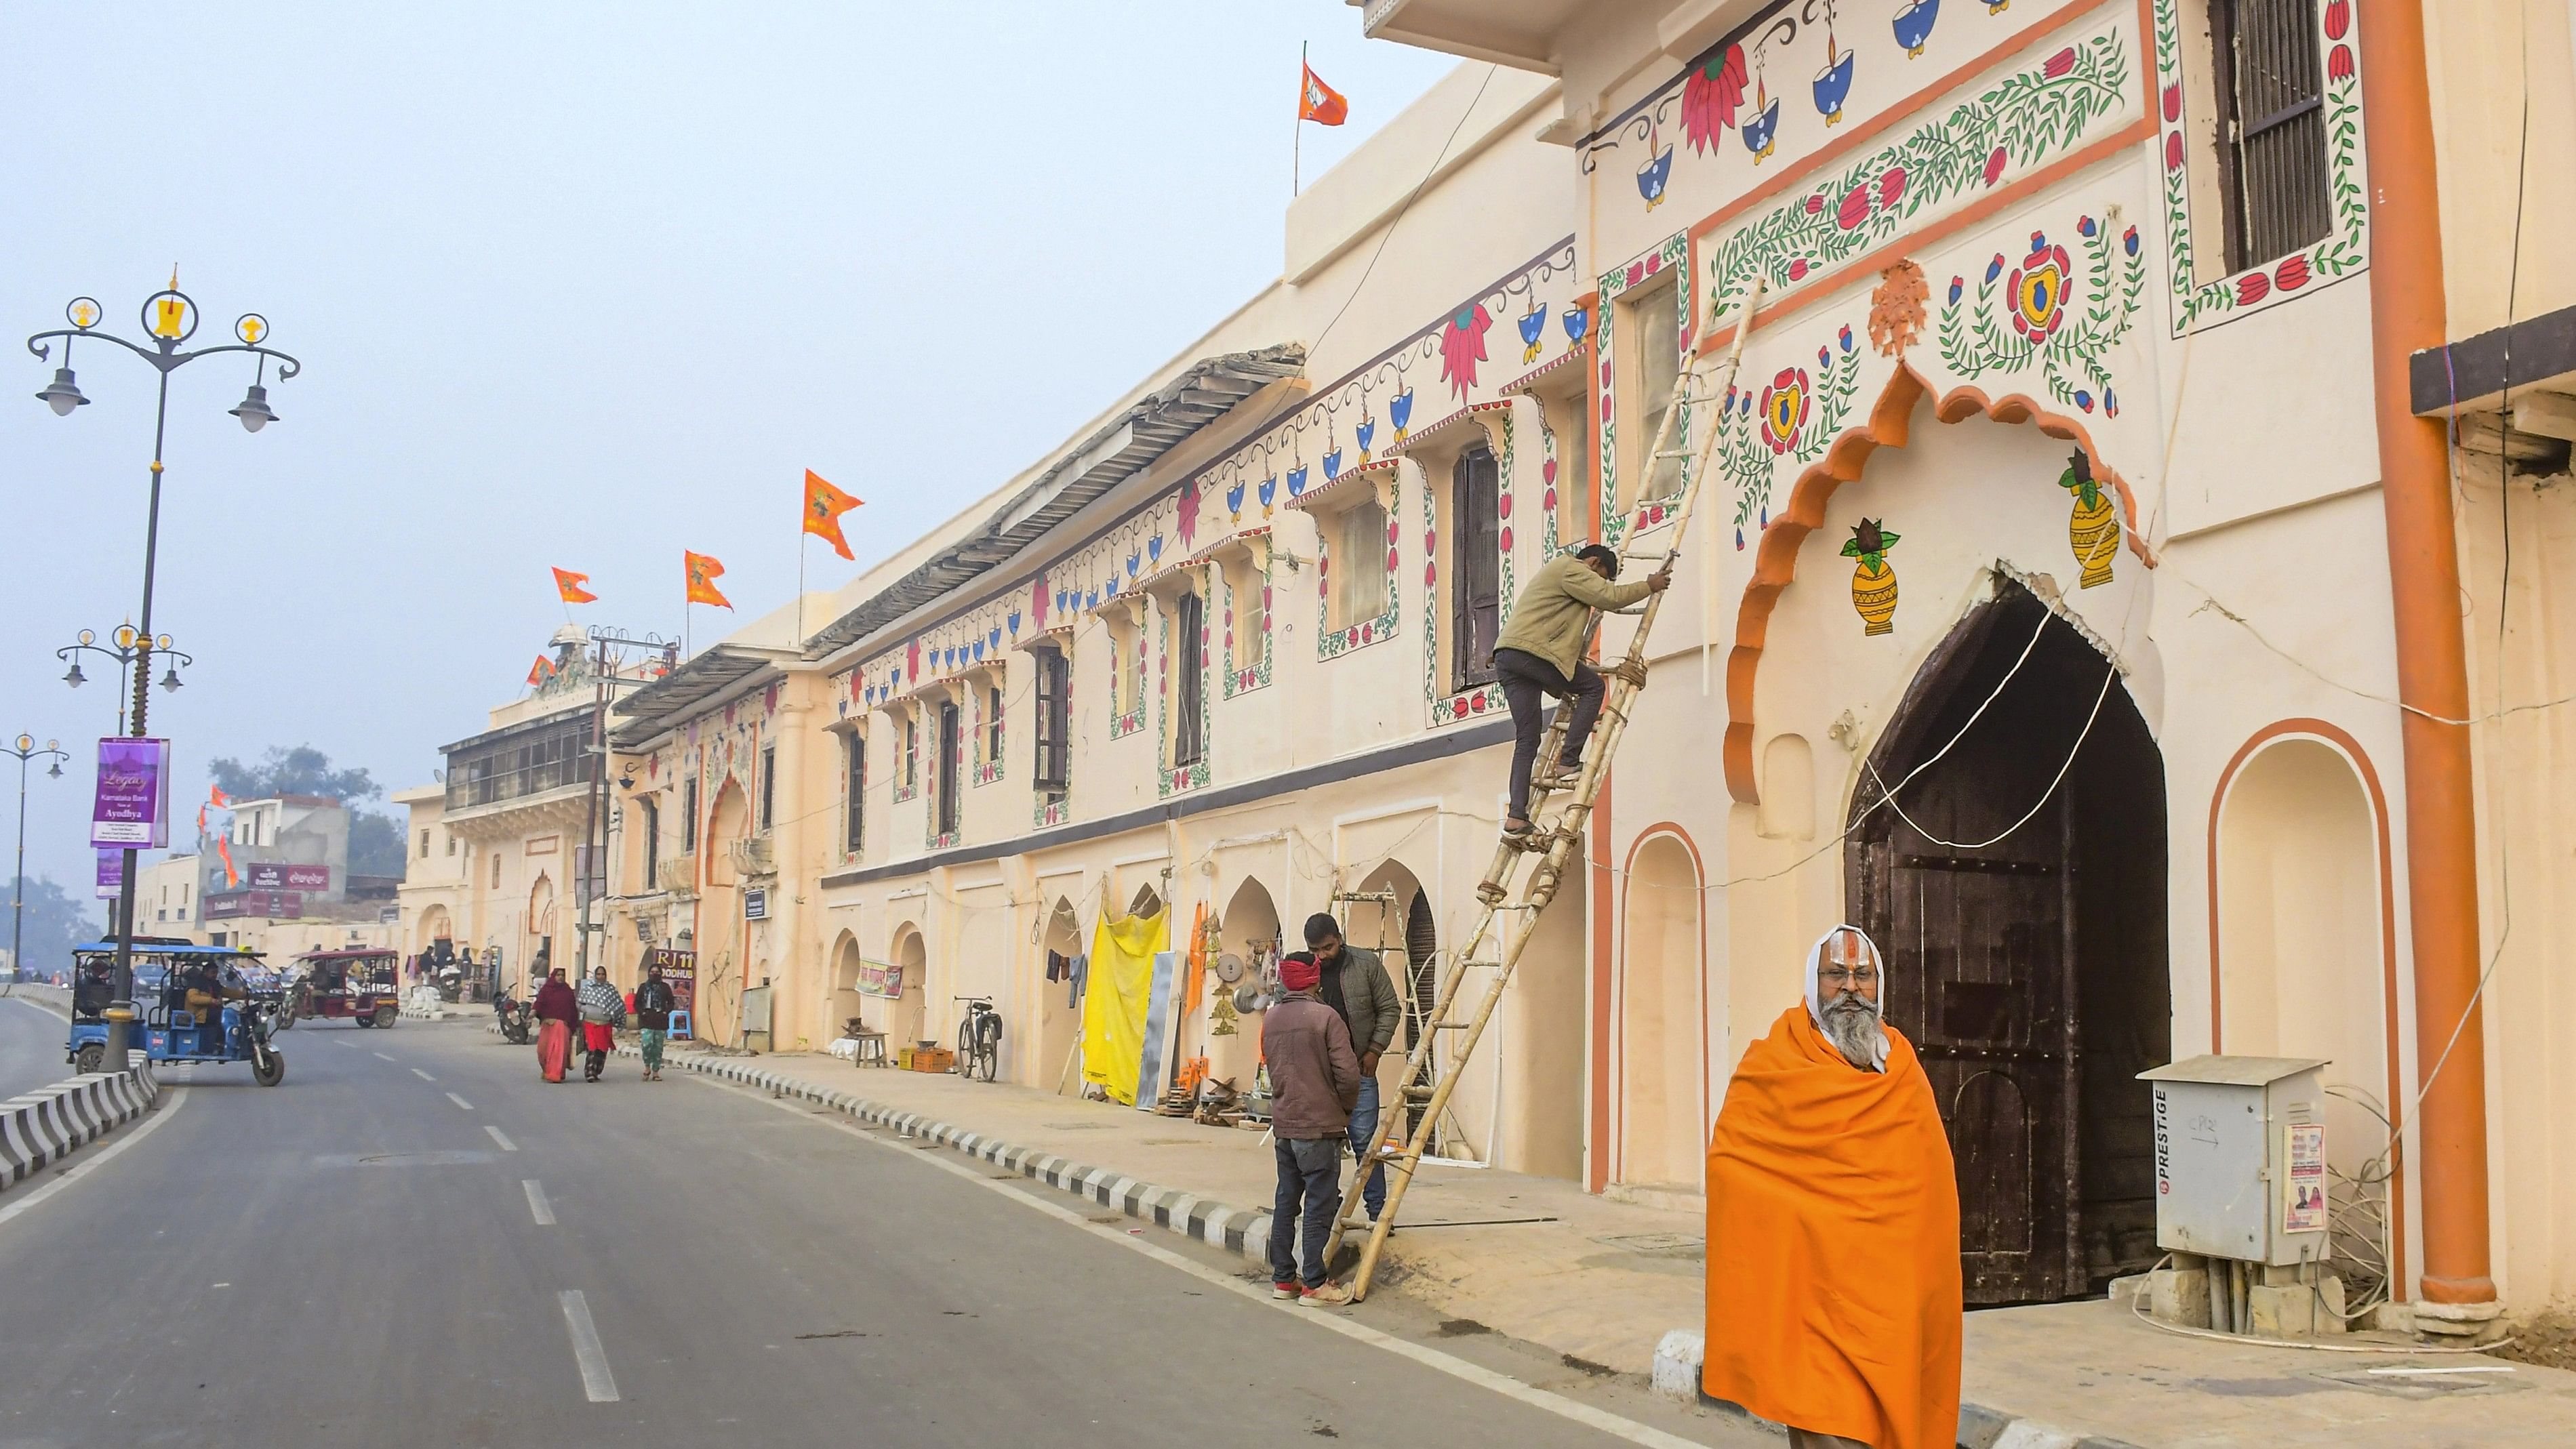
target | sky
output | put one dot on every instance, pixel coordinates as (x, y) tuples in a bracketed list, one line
[(581, 285)]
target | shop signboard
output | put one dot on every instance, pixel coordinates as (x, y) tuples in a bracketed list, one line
[(278, 875), (269, 905), (755, 903), (132, 806), (680, 973)]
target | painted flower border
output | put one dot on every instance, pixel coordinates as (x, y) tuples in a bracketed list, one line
[(1671, 254), (1332, 643), (1484, 699), (1245, 678), (1123, 723), (2343, 253)]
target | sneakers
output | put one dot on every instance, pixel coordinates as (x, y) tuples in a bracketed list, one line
[(1331, 1295), (1284, 1292)]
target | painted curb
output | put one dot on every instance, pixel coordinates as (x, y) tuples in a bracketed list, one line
[(1243, 1233), (44, 1126), (1679, 1356)]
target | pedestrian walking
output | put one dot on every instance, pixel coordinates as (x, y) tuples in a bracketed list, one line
[(1314, 1079), (602, 1008), (558, 1011), (1355, 984), (1833, 1224), (653, 1003), (1541, 654)]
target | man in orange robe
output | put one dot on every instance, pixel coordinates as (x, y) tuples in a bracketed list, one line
[(1833, 1224)]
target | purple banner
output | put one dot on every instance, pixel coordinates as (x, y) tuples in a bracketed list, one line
[(278, 875), (111, 873), (270, 905), (132, 805)]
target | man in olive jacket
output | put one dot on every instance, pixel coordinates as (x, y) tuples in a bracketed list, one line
[(1356, 985), (1541, 654)]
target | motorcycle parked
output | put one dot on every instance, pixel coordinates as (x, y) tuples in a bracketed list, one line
[(518, 1020)]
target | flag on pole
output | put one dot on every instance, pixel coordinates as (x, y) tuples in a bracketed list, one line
[(1320, 103), (824, 505), (224, 852), (570, 585), (541, 671), (216, 797), (703, 572)]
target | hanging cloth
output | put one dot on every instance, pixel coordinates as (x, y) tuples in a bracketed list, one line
[(1114, 1015)]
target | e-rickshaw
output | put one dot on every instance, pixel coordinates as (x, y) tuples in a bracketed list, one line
[(236, 1029), (359, 982)]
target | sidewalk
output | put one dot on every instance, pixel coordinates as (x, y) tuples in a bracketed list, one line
[(1603, 1282)]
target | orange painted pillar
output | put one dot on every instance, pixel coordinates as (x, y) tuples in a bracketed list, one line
[(2407, 315)]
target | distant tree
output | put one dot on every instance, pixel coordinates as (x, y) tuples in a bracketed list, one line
[(376, 844), (300, 770), (53, 924)]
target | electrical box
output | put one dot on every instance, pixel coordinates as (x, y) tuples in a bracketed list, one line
[(2241, 1158)]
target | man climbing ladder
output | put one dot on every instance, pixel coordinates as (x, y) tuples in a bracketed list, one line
[(1541, 654), (1552, 834)]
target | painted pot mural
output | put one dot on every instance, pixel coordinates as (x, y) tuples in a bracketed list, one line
[(1914, 25), (1873, 582), (1833, 83), (2093, 530)]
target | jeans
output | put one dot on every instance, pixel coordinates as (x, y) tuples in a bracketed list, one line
[(652, 1045), (1525, 677), (1364, 1127), (1311, 1170)]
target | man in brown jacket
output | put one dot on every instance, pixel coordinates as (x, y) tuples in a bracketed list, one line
[(1541, 654), (1314, 1079)]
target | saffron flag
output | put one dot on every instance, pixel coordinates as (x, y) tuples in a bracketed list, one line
[(569, 584), (1320, 103), (703, 572), (824, 505), (541, 671), (224, 852), (216, 797)]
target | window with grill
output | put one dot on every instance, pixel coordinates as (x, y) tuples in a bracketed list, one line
[(689, 815), (2272, 132), (947, 767), (854, 791), (1654, 321), (1054, 719), (768, 785), (993, 726), (911, 753), (1475, 565), (1189, 660)]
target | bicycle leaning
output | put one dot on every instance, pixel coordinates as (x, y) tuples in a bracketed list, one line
[(979, 1039)]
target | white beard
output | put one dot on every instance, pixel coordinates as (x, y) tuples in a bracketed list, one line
[(1851, 1024)]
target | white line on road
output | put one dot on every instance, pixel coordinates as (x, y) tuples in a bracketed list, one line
[(596, 1381), (380, 1056), (538, 1208), (91, 1162), (424, 1076), (353, 1046), (1501, 1383), (460, 1101), (506, 1144)]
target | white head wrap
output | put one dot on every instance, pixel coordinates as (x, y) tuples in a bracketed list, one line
[(1815, 963)]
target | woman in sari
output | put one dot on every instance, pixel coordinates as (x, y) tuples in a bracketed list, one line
[(558, 1011), (602, 1008)]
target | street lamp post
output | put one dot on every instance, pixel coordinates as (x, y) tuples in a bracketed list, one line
[(130, 645), (25, 749), (169, 319)]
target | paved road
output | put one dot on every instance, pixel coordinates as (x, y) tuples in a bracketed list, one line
[(31, 1047), (352, 1257)]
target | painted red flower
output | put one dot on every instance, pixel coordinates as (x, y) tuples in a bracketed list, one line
[(2059, 64), (2291, 275), (2339, 63), (1784, 409), (1994, 166), (2338, 19), (1815, 205), (1891, 186), (2173, 151), (1798, 270), (1855, 208), (2252, 288), (1636, 273), (1462, 346), (1711, 97), (2173, 101)]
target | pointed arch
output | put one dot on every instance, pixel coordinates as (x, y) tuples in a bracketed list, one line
[(1890, 425)]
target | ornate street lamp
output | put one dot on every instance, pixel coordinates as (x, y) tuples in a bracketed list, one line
[(25, 748)]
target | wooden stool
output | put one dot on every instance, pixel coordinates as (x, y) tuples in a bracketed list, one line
[(871, 1052)]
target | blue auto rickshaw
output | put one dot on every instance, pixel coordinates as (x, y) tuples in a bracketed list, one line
[(167, 1029)]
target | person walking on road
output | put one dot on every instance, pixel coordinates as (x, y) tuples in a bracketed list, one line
[(1356, 986), (653, 1004), (558, 1010), (1833, 1224), (1314, 1079), (1541, 653), (602, 1008)]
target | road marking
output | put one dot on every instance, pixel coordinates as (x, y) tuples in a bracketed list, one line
[(538, 1208), (1501, 1383), (460, 1101), (353, 1046), (596, 1381), (424, 1076), (506, 1144), (380, 1056), (91, 1162)]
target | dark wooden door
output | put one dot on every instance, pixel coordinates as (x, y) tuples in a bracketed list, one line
[(1980, 962)]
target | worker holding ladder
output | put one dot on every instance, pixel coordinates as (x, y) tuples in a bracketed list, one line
[(1541, 654)]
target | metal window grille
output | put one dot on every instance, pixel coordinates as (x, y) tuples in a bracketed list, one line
[(1475, 566), (854, 792), (993, 727), (1054, 719), (948, 741), (768, 785), (911, 753), (1190, 660), (2275, 171), (689, 816), (521, 767)]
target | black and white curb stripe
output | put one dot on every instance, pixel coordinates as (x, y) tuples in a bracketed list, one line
[(1679, 1357), (44, 1126), (1219, 1225)]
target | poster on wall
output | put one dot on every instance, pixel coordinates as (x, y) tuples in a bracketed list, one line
[(880, 979), (680, 973), (2303, 1196), (131, 807)]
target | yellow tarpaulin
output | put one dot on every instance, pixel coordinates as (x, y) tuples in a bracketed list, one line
[(1114, 1001)]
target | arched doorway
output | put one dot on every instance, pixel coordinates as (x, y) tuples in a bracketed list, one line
[(1059, 1020), (721, 937), (905, 1015), (1249, 931), (2029, 970), (434, 928), (539, 950), (1663, 1110)]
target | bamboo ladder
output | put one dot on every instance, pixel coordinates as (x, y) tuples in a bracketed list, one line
[(1554, 840)]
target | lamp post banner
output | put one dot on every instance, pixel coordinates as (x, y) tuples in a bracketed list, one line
[(132, 809), (111, 873)]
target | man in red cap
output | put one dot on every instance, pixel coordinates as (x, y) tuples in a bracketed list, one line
[(1314, 1080)]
